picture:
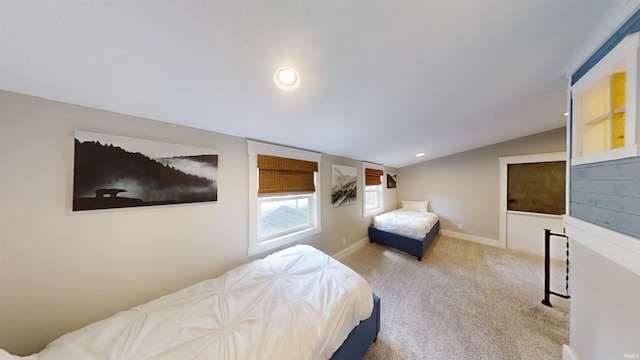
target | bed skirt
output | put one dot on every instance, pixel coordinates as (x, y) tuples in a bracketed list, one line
[(361, 337), (408, 244)]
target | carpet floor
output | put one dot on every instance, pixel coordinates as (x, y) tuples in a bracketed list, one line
[(463, 301)]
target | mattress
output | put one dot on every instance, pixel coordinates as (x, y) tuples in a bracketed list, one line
[(406, 222), (298, 303)]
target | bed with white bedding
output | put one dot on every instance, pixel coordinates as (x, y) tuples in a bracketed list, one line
[(298, 303), (410, 228)]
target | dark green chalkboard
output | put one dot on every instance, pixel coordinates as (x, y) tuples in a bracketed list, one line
[(536, 187)]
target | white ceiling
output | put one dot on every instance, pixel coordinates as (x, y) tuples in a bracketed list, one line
[(381, 80)]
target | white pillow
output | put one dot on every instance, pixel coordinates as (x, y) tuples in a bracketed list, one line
[(422, 206)]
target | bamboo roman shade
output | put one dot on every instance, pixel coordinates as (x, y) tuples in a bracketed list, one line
[(372, 177), (277, 175)]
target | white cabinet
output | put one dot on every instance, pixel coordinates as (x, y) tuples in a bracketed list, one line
[(604, 107)]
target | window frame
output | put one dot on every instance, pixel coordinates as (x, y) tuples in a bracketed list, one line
[(626, 52), (379, 192), (276, 198), (258, 244)]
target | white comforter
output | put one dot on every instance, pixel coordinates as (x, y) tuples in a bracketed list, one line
[(406, 222), (298, 303)]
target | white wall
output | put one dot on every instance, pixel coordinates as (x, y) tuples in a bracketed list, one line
[(605, 312), (60, 269), (465, 188)]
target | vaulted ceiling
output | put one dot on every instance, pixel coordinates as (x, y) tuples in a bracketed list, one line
[(379, 80)]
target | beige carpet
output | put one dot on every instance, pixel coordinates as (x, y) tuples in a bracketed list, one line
[(463, 301)]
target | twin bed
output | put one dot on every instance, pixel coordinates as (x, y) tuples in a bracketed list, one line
[(298, 303), (410, 228)]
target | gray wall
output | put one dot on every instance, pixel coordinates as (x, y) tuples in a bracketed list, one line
[(60, 269), (465, 188)]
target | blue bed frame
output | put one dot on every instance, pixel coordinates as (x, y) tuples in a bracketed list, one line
[(361, 337), (412, 245)]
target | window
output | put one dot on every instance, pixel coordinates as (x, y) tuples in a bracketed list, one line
[(373, 185), (604, 107), (284, 196)]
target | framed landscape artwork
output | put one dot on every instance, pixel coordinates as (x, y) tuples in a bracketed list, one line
[(116, 172), (343, 185)]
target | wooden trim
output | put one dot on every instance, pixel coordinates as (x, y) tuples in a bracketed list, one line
[(567, 353), (630, 26), (519, 159), (341, 255), (621, 249), (258, 245)]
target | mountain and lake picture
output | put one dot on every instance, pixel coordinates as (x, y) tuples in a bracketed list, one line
[(343, 185), (117, 172)]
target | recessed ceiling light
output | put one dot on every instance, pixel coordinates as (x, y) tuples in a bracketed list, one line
[(420, 154), (566, 114), (287, 76), (286, 79)]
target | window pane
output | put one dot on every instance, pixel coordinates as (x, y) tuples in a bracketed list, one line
[(282, 215), (371, 197)]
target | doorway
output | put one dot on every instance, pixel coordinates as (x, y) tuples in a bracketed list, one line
[(532, 198)]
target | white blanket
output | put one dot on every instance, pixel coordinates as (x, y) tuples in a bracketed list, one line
[(407, 222), (298, 303)]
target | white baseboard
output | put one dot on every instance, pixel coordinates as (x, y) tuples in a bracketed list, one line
[(474, 238), (567, 353), (351, 249)]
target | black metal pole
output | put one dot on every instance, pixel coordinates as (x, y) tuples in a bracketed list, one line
[(547, 266)]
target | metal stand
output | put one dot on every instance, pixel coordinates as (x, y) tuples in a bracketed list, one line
[(547, 268)]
